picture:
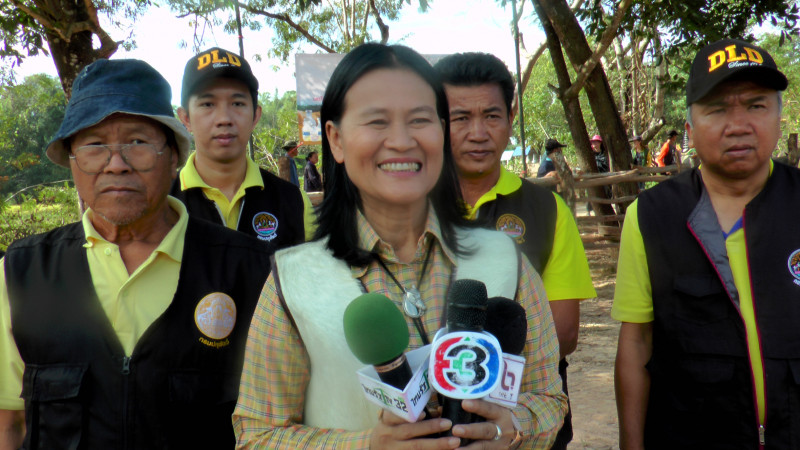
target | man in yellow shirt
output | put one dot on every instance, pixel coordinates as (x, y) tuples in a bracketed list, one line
[(480, 89), (127, 329), (220, 183), (709, 275)]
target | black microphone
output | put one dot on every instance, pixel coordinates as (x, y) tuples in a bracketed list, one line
[(466, 311), (507, 321)]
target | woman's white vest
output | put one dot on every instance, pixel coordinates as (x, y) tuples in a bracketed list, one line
[(318, 298)]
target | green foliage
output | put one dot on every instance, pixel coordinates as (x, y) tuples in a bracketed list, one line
[(787, 57), (686, 25), (40, 210), (336, 26), (26, 24), (278, 124), (30, 115)]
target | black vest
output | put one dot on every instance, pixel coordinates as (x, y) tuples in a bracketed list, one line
[(528, 215), (701, 393), (274, 215), (179, 387)]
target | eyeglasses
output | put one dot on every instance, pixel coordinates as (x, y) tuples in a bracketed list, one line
[(92, 159)]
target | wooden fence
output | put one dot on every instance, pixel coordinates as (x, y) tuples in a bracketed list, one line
[(602, 231)]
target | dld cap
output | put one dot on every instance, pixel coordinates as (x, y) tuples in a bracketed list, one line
[(216, 63), (727, 58)]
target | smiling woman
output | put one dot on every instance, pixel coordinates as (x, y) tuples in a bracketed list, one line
[(391, 222)]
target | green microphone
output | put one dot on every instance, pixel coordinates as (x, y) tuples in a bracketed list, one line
[(377, 334)]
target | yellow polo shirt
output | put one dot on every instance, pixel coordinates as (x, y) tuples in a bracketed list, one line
[(131, 302), (633, 296), (231, 210), (567, 274)]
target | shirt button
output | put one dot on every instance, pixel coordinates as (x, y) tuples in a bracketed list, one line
[(108, 252)]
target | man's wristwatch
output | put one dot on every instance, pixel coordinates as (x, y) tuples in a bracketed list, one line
[(519, 436)]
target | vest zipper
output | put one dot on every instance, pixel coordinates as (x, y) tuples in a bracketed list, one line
[(126, 370)]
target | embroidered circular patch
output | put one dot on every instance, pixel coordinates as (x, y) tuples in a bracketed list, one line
[(265, 225), (215, 315), (794, 264), (512, 226)]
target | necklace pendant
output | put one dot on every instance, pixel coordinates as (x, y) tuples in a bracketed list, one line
[(413, 305)]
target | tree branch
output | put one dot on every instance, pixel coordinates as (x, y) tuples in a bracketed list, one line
[(379, 21), (288, 20), (605, 41), (107, 45), (43, 21)]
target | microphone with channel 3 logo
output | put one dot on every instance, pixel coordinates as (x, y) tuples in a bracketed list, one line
[(466, 363)]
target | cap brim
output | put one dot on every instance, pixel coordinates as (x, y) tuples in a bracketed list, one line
[(763, 76), (58, 152)]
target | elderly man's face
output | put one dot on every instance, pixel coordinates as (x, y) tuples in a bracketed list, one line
[(120, 194), (735, 129)]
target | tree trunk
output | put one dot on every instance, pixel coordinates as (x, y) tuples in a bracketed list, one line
[(572, 110), (71, 57), (601, 99)]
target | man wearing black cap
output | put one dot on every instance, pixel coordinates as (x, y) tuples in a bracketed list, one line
[(548, 168), (220, 183), (480, 89), (709, 275), (129, 327)]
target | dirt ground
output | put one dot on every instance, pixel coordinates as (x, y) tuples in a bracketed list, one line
[(591, 367)]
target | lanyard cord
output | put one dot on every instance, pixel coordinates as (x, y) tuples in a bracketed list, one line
[(417, 319)]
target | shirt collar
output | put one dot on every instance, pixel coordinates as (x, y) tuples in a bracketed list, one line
[(369, 240), (171, 245), (506, 184), (190, 178)]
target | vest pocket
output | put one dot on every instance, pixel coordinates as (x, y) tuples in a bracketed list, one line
[(53, 405), (700, 299)]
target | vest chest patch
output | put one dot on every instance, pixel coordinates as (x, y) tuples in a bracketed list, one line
[(215, 317), (265, 225), (513, 226), (794, 266)]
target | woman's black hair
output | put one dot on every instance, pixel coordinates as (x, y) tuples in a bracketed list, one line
[(337, 213), (309, 155)]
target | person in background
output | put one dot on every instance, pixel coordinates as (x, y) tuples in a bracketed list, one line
[(220, 182), (639, 152), (311, 180), (128, 326), (639, 156), (600, 154), (480, 89), (669, 154), (548, 168), (709, 275), (391, 220), (287, 164)]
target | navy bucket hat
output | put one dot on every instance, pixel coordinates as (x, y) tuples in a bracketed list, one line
[(106, 87)]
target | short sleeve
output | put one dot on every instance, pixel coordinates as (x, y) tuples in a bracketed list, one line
[(633, 297), (567, 274)]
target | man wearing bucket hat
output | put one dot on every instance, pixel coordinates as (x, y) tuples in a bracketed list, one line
[(220, 182), (129, 327), (709, 274)]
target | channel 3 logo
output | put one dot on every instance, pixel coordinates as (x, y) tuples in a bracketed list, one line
[(466, 364)]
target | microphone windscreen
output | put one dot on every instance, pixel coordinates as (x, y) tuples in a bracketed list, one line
[(466, 305), (375, 329), (507, 321)]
